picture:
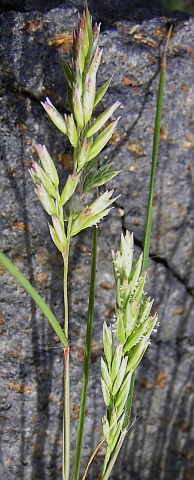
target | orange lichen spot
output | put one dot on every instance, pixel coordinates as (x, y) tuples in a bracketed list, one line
[(152, 59), (2, 321), (22, 128), (20, 226), (75, 411), (56, 339), (2, 269), (75, 332), (133, 168), (189, 141), (190, 50), (20, 388), (130, 82), (136, 222), (178, 311), (138, 38), (109, 311), (136, 148), (42, 256), (80, 353), (95, 351), (2, 331), (184, 87), (106, 285), (160, 32), (31, 26), (63, 40), (14, 354), (163, 133), (67, 160), (189, 389), (184, 426), (41, 278), (81, 247), (146, 383), (115, 139), (161, 379), (121, 211)]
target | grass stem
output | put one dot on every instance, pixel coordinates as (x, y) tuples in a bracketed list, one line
[(150, 199), (155, 154), (114, 456), (66, 415), (66, 375), (86, 360)]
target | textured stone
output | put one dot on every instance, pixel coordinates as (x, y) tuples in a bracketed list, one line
[(160, 442)]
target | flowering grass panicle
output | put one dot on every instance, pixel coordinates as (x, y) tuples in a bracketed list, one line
[(126, 341), (87, 136)]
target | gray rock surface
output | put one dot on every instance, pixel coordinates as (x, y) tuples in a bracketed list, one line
[(160, 443)]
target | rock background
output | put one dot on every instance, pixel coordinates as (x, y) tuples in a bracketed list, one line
[(160, 444)]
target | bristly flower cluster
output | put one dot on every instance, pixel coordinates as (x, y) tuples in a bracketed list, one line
[(125, 346), (88, 137)]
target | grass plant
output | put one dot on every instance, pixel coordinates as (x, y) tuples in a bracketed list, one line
[(127, 338)]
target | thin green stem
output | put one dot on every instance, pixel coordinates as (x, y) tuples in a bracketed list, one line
[(35, 296), (86, 367), (66, 415), (154, 161), (114, 456), (150, 202), (65, 289), (66, 375)]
